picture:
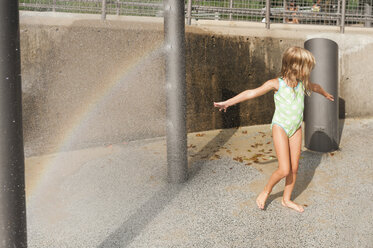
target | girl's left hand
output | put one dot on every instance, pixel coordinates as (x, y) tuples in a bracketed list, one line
[(221, 106), (329, 97)]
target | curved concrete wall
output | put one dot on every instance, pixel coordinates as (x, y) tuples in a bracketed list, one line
[(87, 82)]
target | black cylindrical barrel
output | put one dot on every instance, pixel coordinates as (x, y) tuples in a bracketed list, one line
[(12, 182), (321, 114)]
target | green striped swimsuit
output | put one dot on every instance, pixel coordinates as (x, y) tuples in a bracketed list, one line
[(289, 104)]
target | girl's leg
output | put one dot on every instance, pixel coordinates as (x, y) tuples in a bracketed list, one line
[(295, 144), (281, 143)]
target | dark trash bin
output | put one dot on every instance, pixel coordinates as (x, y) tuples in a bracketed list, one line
[(320, 114)]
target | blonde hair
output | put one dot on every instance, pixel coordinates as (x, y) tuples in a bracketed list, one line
[(297, 64)]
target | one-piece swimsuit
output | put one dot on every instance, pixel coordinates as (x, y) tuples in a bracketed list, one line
[(289, 104)]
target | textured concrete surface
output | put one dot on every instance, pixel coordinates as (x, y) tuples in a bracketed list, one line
[(81, 80), (118, 196), (87, 82), (355, 45)]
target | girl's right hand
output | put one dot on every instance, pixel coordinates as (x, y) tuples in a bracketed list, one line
[(221, 105), (329, 97)]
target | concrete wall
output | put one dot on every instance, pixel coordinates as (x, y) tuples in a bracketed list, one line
[(87, 82), (355, 49), (220, 67), (91, 83)]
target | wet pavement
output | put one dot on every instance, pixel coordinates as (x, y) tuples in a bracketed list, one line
[(118, 196)]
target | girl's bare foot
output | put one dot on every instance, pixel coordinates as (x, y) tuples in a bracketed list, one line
[(261, 199), (293, 205)]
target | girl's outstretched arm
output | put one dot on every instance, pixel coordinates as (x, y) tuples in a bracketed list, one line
[(318, 89), (248, 94)]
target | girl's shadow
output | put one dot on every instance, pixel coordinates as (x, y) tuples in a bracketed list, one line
[(307, 167)]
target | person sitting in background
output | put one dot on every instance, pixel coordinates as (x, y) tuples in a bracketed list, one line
[(292, 7), (316, 6)]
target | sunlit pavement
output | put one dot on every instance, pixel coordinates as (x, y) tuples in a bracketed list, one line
[(118, 195)]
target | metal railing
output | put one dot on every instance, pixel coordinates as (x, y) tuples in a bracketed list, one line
[(103, 7), (320, 12)]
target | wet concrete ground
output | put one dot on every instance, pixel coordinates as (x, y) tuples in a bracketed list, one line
[(118, 196)]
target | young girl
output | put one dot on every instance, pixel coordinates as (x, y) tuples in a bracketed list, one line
[(289, 88)]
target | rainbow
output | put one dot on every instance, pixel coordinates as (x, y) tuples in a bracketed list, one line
[(48, 167)]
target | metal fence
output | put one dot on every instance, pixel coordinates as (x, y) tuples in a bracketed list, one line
[(117, 7), (320, 12)]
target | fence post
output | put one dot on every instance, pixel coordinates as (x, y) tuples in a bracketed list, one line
[(268, 13), (368, 14), (339, 11), (230, 6), (189, 12), (174, 32), (12, 169), (118, 11), (284, 13), (103, 10), (54, 6), (343, 16)]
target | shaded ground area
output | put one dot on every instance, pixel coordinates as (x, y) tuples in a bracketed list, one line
[(118, 195)]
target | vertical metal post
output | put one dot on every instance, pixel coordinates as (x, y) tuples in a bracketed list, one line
[(103, 10), (118, 8), (284, 13), (343, 16), (12, 168), (230, 6), (54, 6), (368, 13), (339, 12), (268, 13), (174, 28), (189, 12)]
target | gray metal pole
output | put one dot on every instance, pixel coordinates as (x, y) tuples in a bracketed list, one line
[(118, 8), (268, 9), (230, 6), (285, 8), (368, 13), (339, 11), (189, 12), (12, 169), (343, 16), (103, 10), (321, 115), (174, 28)]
